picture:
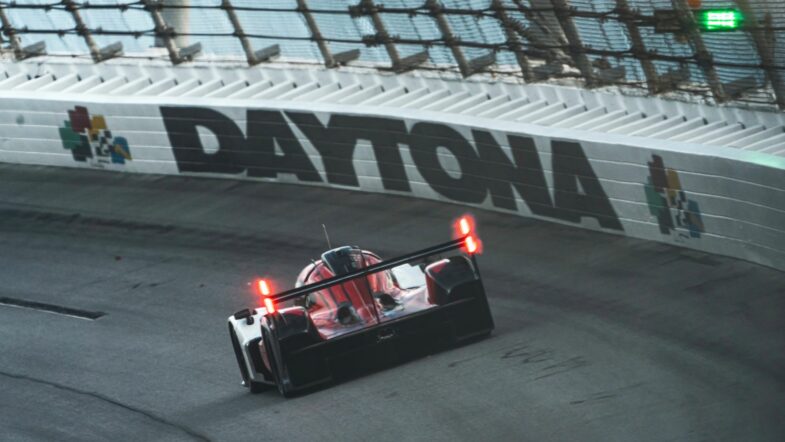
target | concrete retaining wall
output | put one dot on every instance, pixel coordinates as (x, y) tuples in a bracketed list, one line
[(719, 200)]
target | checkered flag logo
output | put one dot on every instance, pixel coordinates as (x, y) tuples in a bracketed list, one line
[(90, 140)]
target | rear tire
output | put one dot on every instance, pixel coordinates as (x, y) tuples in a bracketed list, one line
[(284, 391), (254, 387), (257, 387)]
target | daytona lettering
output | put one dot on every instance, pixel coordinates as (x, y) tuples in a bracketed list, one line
[(484, 168)]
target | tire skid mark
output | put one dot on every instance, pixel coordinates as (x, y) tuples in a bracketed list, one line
[(565, 366), (527, 354), (606, 394)]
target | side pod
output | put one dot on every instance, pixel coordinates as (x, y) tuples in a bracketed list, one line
[(451, 279)]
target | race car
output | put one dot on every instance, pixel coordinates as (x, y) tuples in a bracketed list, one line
[(351, 311)]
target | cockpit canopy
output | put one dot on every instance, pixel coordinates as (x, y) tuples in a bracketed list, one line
[(343, 260)]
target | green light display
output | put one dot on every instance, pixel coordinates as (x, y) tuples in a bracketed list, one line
[(714, 20)]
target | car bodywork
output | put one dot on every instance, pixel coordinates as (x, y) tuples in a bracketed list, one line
[(353, 311)]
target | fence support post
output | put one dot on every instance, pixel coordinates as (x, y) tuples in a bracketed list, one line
[(627, 16), (467, 67), (512, 39), (98, 54), (330, 60), (162, 30), (302, 8), (167, 34), (702, 56), (368, 7), (253, 58), (9, 30), (764, 43), (176, 13), (577, 51), (448, 37)]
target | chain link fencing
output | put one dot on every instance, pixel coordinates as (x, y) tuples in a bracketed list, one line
[(590, 42)]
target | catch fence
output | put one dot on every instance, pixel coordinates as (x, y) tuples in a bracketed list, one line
[(651, 46)]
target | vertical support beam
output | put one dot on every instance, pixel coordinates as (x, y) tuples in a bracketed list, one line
[(82, 30), (512, 39), (240, 33), (177, 15), (764, 43), (166, 34), (448, 37), (302, 8), (576, 49), (702, 56), (162, 30), (627, 16), (253, 57), (544, 34), (546, 25), (8, 29), (370, 8)]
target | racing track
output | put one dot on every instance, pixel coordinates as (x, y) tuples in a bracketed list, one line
[(598, 337)]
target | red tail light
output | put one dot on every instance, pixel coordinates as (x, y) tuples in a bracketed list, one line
[(471, 244), (264, 288), (269, 305), (465, 229), (463, 226), (264, 291)]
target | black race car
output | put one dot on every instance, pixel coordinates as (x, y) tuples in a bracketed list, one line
[(351, 310)]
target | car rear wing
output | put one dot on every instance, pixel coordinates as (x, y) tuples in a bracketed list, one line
[(365, 271)]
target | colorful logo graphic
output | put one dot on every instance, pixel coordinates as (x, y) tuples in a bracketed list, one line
[(668, 202), (90, 141)]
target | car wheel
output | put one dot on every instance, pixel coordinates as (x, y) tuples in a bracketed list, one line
[(283, 390), (257, 387)]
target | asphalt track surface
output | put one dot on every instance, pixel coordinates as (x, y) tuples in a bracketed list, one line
[(599, 337)]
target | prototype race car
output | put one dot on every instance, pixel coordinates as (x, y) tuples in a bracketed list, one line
[(353, 311)]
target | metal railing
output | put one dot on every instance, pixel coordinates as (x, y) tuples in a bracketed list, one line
[(597, 42)]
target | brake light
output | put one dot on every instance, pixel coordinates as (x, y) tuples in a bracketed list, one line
[(264, 291), (264, 288), (472, 245), (269, 305), (465, 230), (463, 224)]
